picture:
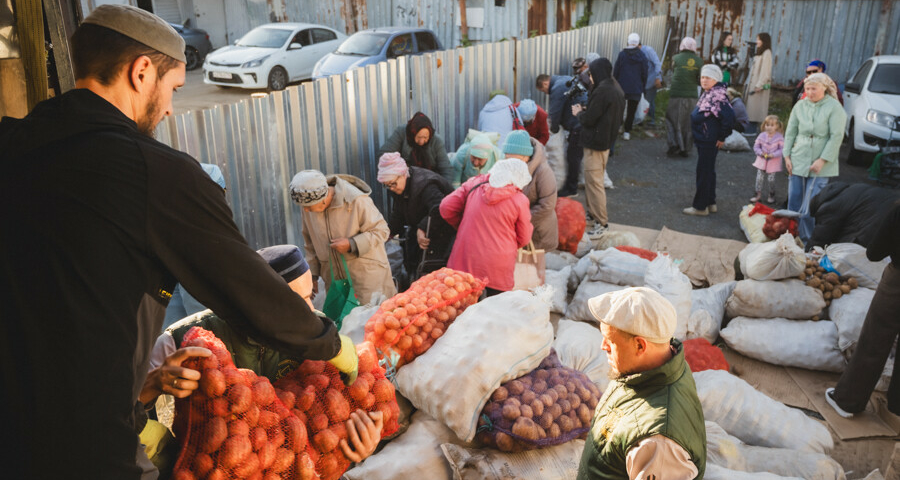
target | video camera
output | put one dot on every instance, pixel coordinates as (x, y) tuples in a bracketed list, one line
[(751, 48), (576, 88)]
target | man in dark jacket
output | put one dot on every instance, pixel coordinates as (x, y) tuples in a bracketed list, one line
[(106, 220), (600, 121), (561, 115), (631, 71), (847, 213)]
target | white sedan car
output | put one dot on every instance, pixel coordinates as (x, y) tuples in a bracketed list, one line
[(872, 103), (271, 56)]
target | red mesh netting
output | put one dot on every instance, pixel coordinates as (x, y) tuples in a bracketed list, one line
[(641, 252), (234, 426), (410, 322), (571, 220), (551, 405), (319, 399), (777, 226), (701, 355)]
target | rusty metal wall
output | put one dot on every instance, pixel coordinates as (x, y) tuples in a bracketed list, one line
[(842, 33), (336, 124)]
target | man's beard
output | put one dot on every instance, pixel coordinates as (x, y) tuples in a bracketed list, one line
[(147, 122), (614, 374)]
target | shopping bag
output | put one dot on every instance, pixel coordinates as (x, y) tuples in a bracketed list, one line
[(340, 298), (530, 268)]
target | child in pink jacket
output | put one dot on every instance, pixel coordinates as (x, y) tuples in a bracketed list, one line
[(493, 220), (768, 156)]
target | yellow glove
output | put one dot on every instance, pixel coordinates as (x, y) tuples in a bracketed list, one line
[(346, 361)]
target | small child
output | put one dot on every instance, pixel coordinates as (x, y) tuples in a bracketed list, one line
[(768, 156)]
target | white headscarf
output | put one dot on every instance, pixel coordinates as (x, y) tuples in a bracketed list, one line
[(509, 171), (824, 80), (688, 43)]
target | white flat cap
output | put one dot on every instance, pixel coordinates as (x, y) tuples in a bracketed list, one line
[(640, 311)]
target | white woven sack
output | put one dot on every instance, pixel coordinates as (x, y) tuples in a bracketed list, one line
[(558, 462), (615, 238), (415, 454), (579, 271), (556, 155), (558, 280), (715, 472), (773, 260), (579, 345), (850, 259), (756, 419), (584, 245), (730, 452), (791, 343), (557, 260), (618, 267), (708, 310), (736, 143), (354, 324), (848, 313), (665, 277), (578, 308), (497, 339), (774, 298)]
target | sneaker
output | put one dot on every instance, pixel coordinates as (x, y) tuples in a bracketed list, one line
[(598, 229), (626, 136), (756, 197), (713, 208), (770, 199), (830, 399), (697, 213)]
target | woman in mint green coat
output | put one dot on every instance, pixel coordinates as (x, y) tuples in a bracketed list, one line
[(811, 144)]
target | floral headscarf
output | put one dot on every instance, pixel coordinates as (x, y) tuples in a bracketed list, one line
[(712, 100)]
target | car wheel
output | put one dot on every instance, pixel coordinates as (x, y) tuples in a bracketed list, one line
[(856, 157), (278, 79), (193, 58)]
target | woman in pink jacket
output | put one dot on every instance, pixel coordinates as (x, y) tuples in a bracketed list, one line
[(493, 220)]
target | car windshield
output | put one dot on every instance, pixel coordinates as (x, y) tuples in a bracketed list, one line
[(365, 44), (886, 79), (265, 37)]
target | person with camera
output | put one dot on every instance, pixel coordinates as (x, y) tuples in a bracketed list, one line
[(564, 93), (601, 121)]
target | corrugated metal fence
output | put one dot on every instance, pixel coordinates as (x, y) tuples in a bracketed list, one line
[(336, 124)]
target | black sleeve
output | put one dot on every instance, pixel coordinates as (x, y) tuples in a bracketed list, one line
[(887, 239), (191, 232), (829, 224), (431, 197)]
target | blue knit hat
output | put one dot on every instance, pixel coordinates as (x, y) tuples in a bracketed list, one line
[(518, 142), (286, 260), (527, 109)]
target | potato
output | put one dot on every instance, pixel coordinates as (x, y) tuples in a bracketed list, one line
[(267, 418), (276, 436), (336, 406), (267, 455), (251, 416), (539, 386), (515, 387), (287, 398), (212, 383), (554, 430), (183, 474), (828, 286), (368, 402), (836, 293), (832, 278), (584, 414), (383, 390), (319, 422), (234, 451), (500, 394), (512, 401), (537, 407), (241, 397), (562, 390), (546, 399), (258, 437), (546, 420), (555, 410), (526, 411), (215, 433), (203, 464), (527, 397), (541, 374), (845, 289), (575, 400), (564, 404), (305, 468), (326, 440), (504, 442), (307, 398), (852, 282), (219, 407), (283, 460), (565, 423), (814, 282), (248, 467), (809, 271), (801, 276), (511, 412), (827, 295), (525, 428), (295, 434)]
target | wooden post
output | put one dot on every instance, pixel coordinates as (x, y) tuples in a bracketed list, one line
[(56, 20), (30, 26), (463, 24)]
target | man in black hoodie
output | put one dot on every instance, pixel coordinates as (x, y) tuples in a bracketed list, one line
[(100, 221), (600, 122)]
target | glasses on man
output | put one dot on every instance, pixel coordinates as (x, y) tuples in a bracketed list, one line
[(810, 72)]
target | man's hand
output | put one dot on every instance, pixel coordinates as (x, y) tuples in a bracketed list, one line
[(364, 431), (342, 245), (658, 84), (422, 239), (788, 165), (171, 377), (817, 165), (346, 361), (719, 144), (576, 109), (315, 287)]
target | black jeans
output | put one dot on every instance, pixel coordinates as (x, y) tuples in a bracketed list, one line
[(880, 329), (706, 175), (630, 109), (574, 158)]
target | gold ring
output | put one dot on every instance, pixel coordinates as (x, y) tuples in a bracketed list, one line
[(175, 383)]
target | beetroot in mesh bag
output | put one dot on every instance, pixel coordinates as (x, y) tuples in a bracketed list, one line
[(409, 323), (318, 397), (551, 405), (234, 426)]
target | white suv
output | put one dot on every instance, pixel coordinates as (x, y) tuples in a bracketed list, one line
[(872, 103)]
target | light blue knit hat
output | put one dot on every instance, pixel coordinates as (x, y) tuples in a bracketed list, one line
[(527, 109), (518, 142)]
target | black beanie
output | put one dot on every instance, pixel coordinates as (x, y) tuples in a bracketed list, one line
[(286, 260)]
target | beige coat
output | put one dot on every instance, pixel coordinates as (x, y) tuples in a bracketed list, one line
[(760, 77), (353, 215), (541, 193)]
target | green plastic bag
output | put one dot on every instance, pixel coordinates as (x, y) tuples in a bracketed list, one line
[(340, 298)]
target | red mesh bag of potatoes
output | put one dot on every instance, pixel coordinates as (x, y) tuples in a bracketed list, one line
[(777, 226), (641, 252), (701, 355), (571, 220), (234, 426), (317, 396), (409, 323), (551, 405)]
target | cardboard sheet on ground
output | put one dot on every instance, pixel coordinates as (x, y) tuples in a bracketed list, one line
[(707, 260), (647, 236), (875, 421), (773, 380)]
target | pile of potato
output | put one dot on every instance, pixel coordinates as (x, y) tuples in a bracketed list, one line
[(831, 284), (550, 405)]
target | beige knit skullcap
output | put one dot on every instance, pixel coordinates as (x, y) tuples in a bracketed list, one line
[(141, 26)]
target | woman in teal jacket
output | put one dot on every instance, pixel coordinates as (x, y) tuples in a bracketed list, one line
[(811, 144)]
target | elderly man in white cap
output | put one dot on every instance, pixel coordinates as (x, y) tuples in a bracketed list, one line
[(649, 423), (342, 226), (107, 219)]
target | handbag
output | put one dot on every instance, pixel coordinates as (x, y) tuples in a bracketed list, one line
[(340, 298), (530, 268)]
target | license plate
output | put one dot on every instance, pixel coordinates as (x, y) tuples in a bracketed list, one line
[(223, 75)]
